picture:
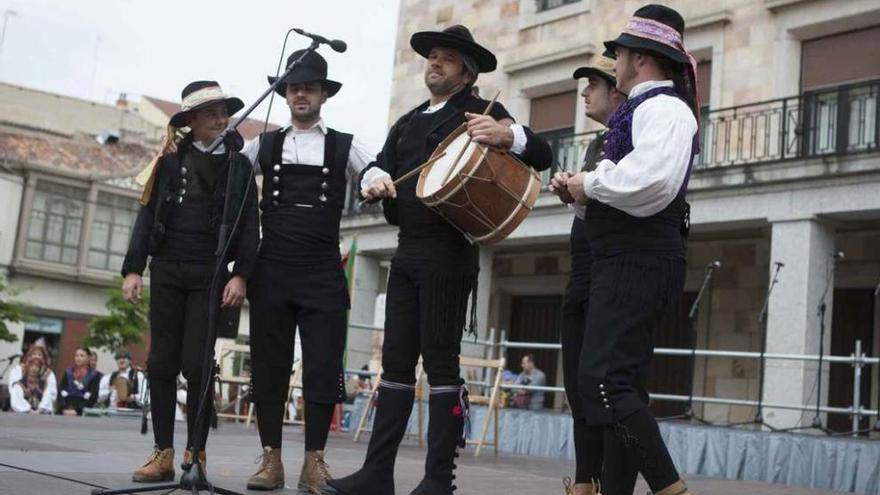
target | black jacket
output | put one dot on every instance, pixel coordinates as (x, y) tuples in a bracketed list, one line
[(537, 154), (149, 228)]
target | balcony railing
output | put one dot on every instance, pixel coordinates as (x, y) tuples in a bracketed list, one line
[(832, 121)]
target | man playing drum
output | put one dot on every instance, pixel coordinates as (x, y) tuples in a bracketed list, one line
[(435, 266)]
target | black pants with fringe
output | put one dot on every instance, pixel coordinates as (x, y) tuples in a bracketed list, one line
[(425, 314)]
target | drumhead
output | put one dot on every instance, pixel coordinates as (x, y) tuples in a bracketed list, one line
[(435, 178)]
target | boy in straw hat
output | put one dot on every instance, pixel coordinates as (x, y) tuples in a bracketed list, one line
[(179, 227), (637, 220)]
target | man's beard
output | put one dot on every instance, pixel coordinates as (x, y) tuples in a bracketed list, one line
[(307, 116), (440, 87)]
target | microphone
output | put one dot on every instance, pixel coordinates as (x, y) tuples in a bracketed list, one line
[(779, 264), (10, 358), (713, 265), (337, 45)]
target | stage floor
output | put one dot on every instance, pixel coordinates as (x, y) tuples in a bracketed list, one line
[(104, 451)]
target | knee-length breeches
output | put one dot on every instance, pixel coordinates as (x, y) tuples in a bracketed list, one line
[(425, 313), (629, 294), (312, 298)]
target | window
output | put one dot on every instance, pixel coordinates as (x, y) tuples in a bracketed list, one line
[(543, 5), (110, 231), (55, 224), (553, 118), (840, 118)]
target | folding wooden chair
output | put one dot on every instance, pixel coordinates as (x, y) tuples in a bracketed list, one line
[(228, 377), (492, 401), (368, 409)]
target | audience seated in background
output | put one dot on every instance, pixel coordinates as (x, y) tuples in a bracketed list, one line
[(531, 375), (79, 385), (125, 387), (33, 388)]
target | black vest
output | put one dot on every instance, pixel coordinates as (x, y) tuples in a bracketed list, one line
[(302, 204)]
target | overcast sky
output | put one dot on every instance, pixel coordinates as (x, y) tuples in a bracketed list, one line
[(155, 47)]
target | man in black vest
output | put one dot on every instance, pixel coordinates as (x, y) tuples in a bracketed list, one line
[(179, 226), (299, 280), (637, 225), (601, 100), (434, 268)]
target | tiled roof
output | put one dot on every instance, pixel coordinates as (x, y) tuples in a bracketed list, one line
[(81, 155)]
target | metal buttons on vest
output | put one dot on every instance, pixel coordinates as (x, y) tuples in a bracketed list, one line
[(325, 171)]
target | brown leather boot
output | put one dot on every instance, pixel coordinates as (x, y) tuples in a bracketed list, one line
[(581, 488), (315, 473), (159, 467), (677, 488), (188, 459), (271, 473)]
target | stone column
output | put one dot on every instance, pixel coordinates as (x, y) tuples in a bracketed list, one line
[(363, 302), (806, 247)]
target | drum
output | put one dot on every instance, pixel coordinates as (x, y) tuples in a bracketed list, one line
[(483, 192), (122, 385)]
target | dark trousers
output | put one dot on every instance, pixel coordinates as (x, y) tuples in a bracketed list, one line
[(178, 329), (285, 297), (425, 312)]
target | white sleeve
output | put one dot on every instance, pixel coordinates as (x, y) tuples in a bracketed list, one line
[(646, 180), (358, 159), (142, 389), (14, 375), (47, 403), (104, 388), (251, 149), (17, 400), (519, 139), (578, 209), (371, 175)]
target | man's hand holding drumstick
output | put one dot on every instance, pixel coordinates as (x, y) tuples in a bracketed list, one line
[(379, 188)]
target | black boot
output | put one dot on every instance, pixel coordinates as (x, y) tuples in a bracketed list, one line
[(446, 419), (393, 405)]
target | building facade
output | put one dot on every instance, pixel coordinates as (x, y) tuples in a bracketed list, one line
[(789, 174)]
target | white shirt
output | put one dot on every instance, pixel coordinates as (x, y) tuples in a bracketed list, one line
[(306, 147), (646, 180), (19, 404), (519, 145), (204, 149)]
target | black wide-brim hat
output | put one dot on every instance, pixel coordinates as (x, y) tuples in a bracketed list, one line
[(603, 67), (660, 14), (458, 38), (200, 94), (313, 68)]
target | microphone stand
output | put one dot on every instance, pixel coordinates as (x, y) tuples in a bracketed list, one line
[(762, 320), (688, 413), (193, 478)]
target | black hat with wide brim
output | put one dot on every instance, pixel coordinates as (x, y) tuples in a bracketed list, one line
[(658, 13), (201, 94), (458, 38), (313, 68)]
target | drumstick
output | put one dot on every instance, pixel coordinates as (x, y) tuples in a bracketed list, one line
[(418, 169), (411, 173), (468, 143)]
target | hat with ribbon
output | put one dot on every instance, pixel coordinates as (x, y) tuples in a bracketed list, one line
[(457, 37), (312, 68), (200, 94)]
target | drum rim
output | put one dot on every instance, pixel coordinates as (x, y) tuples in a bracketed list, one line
[(439, 195)]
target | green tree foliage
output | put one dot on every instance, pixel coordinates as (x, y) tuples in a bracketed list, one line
[(124, 325), (11, 311)]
